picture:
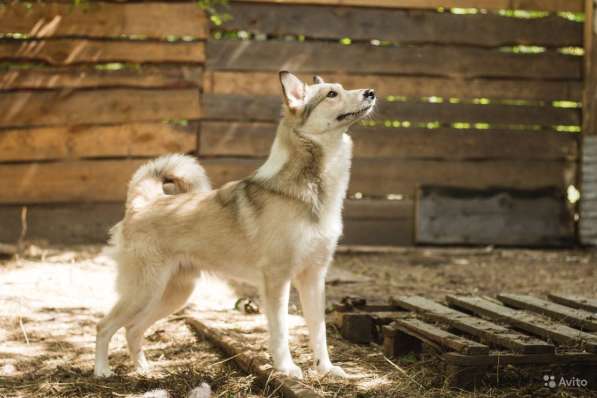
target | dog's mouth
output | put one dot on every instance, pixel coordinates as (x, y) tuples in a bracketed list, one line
[(353, 114)]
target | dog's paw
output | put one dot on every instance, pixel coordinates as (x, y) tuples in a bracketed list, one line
[(332, 370), (290, 369), (143, 368), (103, 372)]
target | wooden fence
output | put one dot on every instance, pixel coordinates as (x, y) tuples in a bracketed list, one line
[(482, 100)]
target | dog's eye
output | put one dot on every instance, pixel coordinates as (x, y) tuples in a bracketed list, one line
[(332, 94)]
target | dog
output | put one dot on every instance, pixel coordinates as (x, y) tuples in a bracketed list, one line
[(279, 225)]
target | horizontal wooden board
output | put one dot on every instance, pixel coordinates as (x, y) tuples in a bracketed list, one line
[(494, 217), (397, 176), (583, 320), (71, 142), (574, 301), (463, 62), (80, 51), (102, 19), (488, 332), (429, 332), (255, 139), (267, 83), (75, 223), (378, 222), (106, 180), (403, 26), (148, 76), (523, 320), (261, 108), (66, 107), (541, 5)]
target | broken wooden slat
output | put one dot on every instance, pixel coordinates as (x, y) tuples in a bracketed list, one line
[(426, 331), (488, 332), (573, 301), (537, 325), (579, 318), (287, 386)]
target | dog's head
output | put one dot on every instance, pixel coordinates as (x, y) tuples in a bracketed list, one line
[(323, 107)]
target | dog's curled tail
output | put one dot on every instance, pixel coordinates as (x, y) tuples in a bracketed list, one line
[(166, 175)]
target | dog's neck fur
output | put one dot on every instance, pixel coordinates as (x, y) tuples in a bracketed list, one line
[(297, 166)]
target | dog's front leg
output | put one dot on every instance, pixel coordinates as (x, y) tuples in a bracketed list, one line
[(275, 294), (311, 287)]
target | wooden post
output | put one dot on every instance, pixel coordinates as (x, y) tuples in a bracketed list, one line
[(588, 167)]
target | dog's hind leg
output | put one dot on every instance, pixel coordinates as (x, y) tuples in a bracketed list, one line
[(132, 303), (310, 284), (174, 297)]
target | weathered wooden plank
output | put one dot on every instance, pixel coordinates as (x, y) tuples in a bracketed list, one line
[(588, 187), (61, 52), (267, 83), (255, 139), (76, 223), (66, 107), (250, 108), (322, 57), (537, 325), (64, 224), (542, 5), (404, 26), (71, 142), (102, 19), (392, 232), (426, 331), (397, 176), (234, 346), (147, 76), (378, 222), (448, 215), (574, 301), (488, 332), (76, 181), (53, 182), (579, 318)]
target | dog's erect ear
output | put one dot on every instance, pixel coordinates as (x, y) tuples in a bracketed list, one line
[(293, 89), (318, 80)]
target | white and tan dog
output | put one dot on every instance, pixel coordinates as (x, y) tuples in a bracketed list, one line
[(280, 224)]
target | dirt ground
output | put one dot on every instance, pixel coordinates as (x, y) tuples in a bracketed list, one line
[(51, 299)]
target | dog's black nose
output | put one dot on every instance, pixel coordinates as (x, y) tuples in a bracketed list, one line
[(369, 94)]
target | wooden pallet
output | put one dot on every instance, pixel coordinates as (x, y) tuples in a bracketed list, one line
[(478, 337)]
